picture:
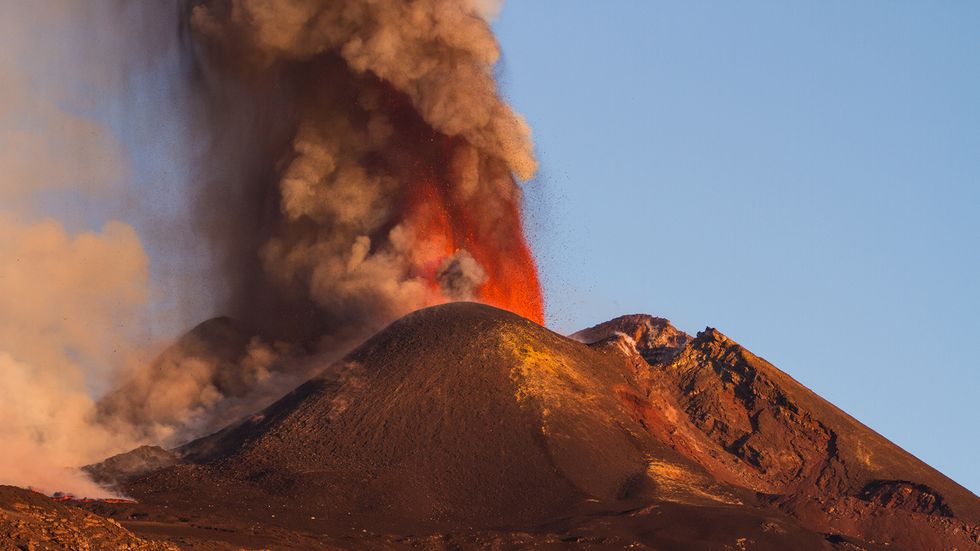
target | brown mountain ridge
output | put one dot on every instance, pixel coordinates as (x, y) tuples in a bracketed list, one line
[(467, 426)]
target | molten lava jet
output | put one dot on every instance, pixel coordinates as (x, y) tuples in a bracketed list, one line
[(379, 131), (446, 226)]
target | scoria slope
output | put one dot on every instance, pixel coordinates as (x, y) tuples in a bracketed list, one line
[(464, 425), (455, 415), (769, 433)]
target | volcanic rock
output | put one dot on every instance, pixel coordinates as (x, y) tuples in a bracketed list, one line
[(772, 435), (122, 467), (654, 338), (456, 415), (32, 521), (464, 425)]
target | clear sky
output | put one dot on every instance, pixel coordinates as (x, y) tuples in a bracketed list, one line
[(803, 176)]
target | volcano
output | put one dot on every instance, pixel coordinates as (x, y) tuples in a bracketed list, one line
[(462, 425)]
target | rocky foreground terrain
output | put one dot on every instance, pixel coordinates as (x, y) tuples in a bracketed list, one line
[(464, 426), (30, 521)]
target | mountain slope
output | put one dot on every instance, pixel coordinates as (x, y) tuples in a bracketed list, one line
[(471, 422), (455, 414), (779, 438)]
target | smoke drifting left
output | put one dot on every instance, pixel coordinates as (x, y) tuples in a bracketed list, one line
[(351, 162)]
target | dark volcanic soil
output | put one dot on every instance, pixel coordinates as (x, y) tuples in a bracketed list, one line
[(466, 426)]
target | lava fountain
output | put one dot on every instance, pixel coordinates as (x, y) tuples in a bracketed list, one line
[(383, 165), (449, 227)]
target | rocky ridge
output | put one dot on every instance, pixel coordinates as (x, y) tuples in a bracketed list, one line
[(770, 434), (466, 426), (32, 522)]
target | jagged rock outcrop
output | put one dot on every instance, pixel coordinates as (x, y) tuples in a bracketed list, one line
[(774, 436), (32, 521), (654, 338), (116, 470)]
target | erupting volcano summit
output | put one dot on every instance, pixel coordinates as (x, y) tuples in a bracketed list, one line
[(381, 172), (368, 366)]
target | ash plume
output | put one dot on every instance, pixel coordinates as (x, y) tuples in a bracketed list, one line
[(460, 276), (64, 295), (328, 167), (379, 148)]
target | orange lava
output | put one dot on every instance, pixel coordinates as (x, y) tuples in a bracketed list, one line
[(512, 282), (444, 226), (66, 497), (489, 227)]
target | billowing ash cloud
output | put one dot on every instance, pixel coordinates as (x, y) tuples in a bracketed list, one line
[(345, 163), (72, 299), (378, 147), (63, 297)]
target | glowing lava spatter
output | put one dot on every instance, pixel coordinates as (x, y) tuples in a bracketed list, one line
[(445, 225), (512, 280)]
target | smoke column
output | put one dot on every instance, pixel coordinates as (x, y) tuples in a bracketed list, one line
[(377, 175)]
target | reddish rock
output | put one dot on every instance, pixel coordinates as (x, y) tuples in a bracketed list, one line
[(466, 426)]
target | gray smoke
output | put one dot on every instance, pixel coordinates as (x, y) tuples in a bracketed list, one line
[(459, 275)]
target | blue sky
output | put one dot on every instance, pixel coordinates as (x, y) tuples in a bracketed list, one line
[(803, 176)]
